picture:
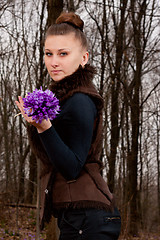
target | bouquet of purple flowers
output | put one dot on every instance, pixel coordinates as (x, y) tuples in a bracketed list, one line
[(41, 105)]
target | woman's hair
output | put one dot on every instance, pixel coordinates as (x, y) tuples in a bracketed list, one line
[(68, 23)]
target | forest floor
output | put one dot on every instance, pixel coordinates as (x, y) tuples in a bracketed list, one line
[(21, 225), (18, 224)]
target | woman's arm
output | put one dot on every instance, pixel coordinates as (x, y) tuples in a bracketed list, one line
[(69, 155)]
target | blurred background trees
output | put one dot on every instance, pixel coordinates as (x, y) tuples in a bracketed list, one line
[(124, 39)]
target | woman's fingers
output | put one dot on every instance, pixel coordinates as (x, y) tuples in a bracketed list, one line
[(44, 125), (20, 104), (21, 108)]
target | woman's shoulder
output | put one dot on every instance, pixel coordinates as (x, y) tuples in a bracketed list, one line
[(80, 102), (81, 99)]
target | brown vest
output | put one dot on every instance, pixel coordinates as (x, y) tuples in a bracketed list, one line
[(89, 190)]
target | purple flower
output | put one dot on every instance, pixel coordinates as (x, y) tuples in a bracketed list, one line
[(41, 105)]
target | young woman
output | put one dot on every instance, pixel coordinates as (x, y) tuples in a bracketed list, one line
[(69, 147)]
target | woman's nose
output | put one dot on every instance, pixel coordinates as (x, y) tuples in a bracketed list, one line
[(54, 61)]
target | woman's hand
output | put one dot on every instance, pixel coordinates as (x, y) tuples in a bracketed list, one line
[(41, 127)]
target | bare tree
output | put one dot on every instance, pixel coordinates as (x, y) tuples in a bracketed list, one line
[(124, 47), (124, 30)]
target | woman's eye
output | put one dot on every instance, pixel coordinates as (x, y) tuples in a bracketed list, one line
[(48, 54), (63, 54)]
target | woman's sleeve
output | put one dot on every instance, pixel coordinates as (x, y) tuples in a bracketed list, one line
[(69, 156)]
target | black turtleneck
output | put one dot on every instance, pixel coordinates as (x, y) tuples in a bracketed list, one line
[(68, 141)]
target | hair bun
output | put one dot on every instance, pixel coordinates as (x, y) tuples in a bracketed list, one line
[(72, 19)]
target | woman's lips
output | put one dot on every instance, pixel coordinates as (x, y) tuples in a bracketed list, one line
[(55, 71)]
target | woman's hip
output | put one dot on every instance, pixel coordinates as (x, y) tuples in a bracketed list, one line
[(89, 224)]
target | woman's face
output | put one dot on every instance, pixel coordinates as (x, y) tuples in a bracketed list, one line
[(63, 55)]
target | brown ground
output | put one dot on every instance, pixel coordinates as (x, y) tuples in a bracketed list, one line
[(18, 224)]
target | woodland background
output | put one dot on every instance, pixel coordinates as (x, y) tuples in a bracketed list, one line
[(124, 46)]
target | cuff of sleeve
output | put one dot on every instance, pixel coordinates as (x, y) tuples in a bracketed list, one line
[(46, 132)]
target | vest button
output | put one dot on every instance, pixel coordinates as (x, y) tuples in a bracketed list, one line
[(46, 191), (80, 231)]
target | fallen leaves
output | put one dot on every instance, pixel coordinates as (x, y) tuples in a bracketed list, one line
[(18, 223)]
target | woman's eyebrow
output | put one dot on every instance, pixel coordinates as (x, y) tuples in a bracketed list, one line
[(61, 49), (64, 49)]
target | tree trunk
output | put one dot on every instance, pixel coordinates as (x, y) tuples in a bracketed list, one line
[(135, 121), (32, 179), (115, 91), (158, 165), (54, 7)]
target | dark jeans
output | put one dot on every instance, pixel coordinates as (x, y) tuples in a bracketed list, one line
[(89, 224)]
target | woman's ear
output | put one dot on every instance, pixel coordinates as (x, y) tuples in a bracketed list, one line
[(85, 58)]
